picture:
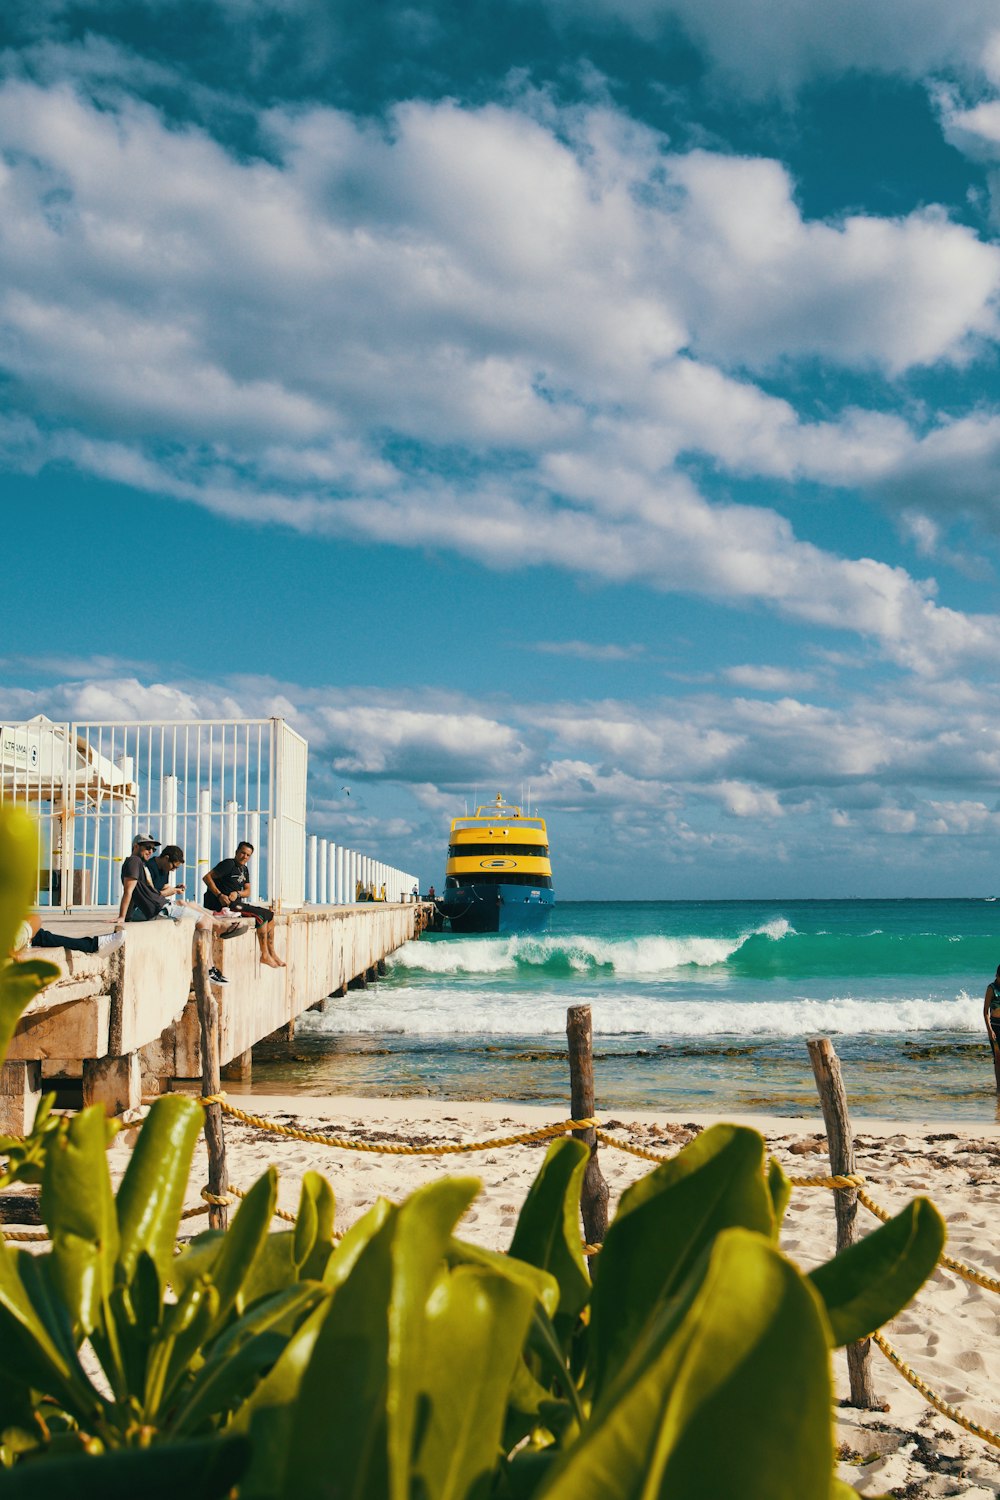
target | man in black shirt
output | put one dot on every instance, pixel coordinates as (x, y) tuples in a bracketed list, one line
[(228, 887)]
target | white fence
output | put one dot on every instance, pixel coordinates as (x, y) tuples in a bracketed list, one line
[(334, 874), (204, 785)]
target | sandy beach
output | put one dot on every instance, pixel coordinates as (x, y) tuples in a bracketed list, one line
[(950, 1336)]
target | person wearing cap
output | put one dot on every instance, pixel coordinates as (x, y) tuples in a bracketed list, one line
[(142, 902)]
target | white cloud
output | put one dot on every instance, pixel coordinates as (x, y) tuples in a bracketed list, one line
[(766, 679), (743, 801), (589, 650), (760, 50), (511, 285), (422, 746), (660, 777)]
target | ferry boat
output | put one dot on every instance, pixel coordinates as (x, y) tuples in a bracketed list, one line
[(498, 877)]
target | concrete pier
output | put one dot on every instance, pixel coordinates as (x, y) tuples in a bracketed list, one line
[(126, 1024)]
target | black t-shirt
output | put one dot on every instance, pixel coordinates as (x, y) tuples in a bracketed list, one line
[(146, 901), (230, 878), (157, 876)]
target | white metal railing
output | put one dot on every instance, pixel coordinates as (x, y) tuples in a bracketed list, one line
[(336, 876), (202, 785)]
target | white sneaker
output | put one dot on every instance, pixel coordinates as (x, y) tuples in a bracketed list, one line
[(107, 942)]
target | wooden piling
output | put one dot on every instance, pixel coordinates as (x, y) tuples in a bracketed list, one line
[(211, 1079), (594, 1199), (840, 1140)]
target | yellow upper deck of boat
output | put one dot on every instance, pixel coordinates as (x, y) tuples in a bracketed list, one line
[(500, 820)]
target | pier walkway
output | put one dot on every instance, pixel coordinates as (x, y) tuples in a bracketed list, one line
[(126, 1024)]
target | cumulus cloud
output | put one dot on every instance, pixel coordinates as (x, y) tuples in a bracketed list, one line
[(617, 777), (551, 302)]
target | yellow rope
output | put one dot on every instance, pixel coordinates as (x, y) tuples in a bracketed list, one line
[(841, 1183), (389, 1148), (960, 1268), (944, 1407), (14, 1234), (609, 1140)]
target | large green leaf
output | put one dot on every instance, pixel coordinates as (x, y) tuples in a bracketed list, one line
[(541, 1283), (204, 1470), (664, 1223), (356, 1410), (350, 1249), (20, 982), (78, 1206), (151, 1194), (268, 1413), (869, 1283), (734, 1400), (246, 1350), (241, 1245), (35, 1330), (475, 1329), (314, 1226), (18, 871), (548, 1227)]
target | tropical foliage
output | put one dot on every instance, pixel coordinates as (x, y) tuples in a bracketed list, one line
[(402, 1363)]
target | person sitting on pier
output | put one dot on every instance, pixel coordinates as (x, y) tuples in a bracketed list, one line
[(142, 902), (31, 934), (161, 866), (228, 889)]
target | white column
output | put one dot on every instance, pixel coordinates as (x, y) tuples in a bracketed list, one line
[(324, 867), (203, 852), (168, 809), (253, 834), (331, 873), (124, 830), (313, 857), (229, 829), (341, 891)]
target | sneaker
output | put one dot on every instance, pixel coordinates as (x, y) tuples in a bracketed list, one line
[(107, 942), (217, 976)]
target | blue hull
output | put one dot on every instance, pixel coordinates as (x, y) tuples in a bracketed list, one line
[(497, 908)]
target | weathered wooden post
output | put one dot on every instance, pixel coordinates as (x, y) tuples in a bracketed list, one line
[(594, 1198), (840, 1140), (211, 1082)]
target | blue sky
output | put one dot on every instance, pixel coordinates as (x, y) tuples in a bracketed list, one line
[(598, 396)]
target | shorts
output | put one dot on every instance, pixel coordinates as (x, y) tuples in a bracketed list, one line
[(260, 914)]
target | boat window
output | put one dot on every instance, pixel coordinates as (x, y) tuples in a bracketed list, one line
[(498, 877), (464, 851)]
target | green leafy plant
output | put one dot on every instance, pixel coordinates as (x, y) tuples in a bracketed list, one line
[(407, 1364)]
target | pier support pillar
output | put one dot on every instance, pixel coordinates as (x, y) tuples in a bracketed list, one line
[(114, 1082), (284, 1033), (240, 1069), (20, 1091)]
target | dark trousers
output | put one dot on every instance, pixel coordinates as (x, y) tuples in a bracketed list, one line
[(44, 939)]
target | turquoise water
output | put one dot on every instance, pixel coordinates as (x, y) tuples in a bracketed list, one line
[(696, 1005)]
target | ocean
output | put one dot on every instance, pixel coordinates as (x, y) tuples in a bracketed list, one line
[(697, 1005)]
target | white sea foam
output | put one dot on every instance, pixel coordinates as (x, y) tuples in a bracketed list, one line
[(427, 1010), (639, 957)]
